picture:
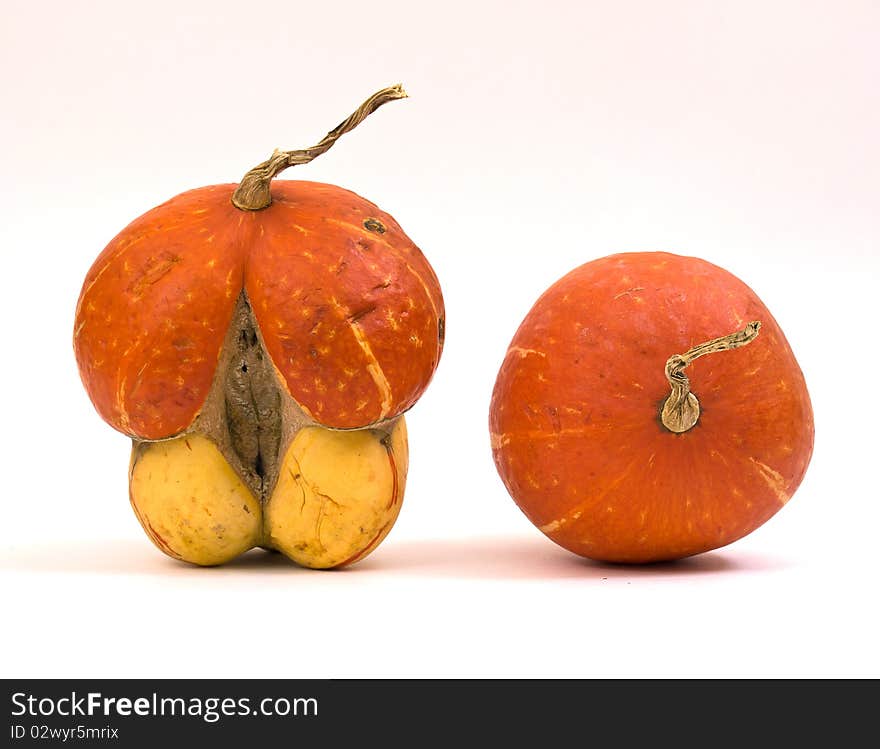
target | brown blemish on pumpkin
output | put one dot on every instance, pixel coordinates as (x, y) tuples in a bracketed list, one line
[(395, 250), (395, 490), (367, 549), (153, 273), (355, 316), (161, 542)]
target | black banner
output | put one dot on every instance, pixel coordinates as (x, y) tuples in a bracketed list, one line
[(143, 712)]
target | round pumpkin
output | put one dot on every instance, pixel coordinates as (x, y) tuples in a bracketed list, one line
[(244, 322), (650, 408)]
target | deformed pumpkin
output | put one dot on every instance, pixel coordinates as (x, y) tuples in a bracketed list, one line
[(259, 343)]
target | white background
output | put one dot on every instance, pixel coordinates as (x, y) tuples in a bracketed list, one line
[(537, 136)]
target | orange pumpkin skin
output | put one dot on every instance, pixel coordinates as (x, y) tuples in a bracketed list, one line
[(350, 311), (575, 413)]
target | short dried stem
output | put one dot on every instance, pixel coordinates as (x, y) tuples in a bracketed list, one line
[(682, 409)]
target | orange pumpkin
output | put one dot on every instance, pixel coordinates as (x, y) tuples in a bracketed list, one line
[(341, 318), (350, 310), (625, 430)]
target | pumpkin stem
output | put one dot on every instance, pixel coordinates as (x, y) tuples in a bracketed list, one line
[(682, 409), (252, 193)]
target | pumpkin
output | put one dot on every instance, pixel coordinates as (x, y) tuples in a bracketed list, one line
[(649, 408), (259, 343)]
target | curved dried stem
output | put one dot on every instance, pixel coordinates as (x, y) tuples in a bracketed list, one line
[(682, 409), (252, 193)]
